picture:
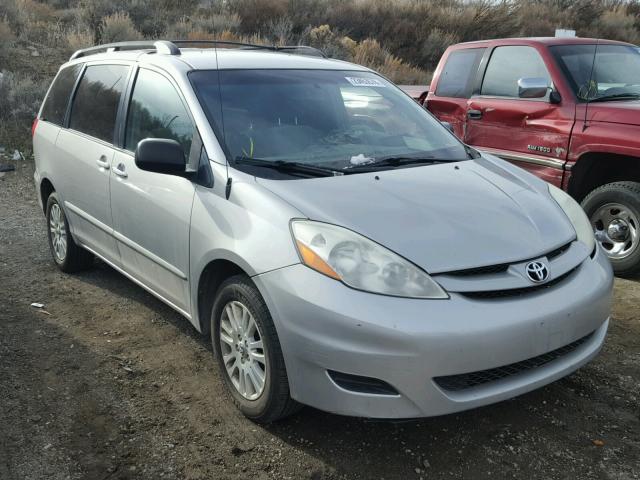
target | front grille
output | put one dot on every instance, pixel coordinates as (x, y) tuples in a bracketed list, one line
[(500, 268), (480, 270), (456, 383), (514, 292), (356, 383)]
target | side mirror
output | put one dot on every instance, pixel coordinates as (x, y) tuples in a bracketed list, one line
[(535, 87), (160, 155), (448, 126)]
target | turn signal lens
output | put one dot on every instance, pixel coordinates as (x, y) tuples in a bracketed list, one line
[(311, 259)]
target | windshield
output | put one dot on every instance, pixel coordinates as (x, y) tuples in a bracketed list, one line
[(334, 119), (616, 70)]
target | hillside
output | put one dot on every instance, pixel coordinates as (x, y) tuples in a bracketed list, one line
[(402, 39)]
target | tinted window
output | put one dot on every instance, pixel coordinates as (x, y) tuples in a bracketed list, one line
[(96, 102), (458, 74), (509, 64), (55, 106), (156, 111)]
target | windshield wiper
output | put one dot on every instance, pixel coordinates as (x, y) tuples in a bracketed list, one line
[(289, 167), (393, 162), (618, 96)]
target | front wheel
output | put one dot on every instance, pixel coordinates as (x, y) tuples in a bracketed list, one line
[(248, 353), (614, 212)]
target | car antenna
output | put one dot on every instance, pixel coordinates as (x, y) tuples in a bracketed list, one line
[(227, 187), (586, 107)]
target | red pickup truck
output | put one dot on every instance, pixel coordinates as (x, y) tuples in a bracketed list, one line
[(567, 110)]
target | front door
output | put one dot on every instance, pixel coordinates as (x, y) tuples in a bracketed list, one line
[(532, 133), (152, 211)]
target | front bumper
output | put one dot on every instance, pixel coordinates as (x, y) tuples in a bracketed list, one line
[(323, 325)]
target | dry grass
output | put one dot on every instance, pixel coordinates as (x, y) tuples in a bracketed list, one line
[(402, 39)]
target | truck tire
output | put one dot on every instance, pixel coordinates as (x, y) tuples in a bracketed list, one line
[(248, 353), (614, 212), (68, 256)]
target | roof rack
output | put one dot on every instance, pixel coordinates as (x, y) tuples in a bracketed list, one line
[(166, 47)]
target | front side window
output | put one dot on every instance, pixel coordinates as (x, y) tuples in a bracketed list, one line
[(156, 111), (509, 64), (614, 73), (334, 119), (55, 106), (95, 105), (458, 74)]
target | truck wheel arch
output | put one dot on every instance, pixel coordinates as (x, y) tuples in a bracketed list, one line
[(595, 169)]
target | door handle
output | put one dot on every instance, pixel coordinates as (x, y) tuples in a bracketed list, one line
[(474, 114), (119, 170), (103, 163)]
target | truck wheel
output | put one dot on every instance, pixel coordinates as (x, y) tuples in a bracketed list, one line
[(69, 257), (247, 350), (614, 211)]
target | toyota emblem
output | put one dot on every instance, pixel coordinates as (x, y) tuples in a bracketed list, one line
[(537, 271)]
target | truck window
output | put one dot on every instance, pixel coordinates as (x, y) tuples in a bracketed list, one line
[(55, 106), (458, 74), (509, 64), (96, 102), (615, 70)]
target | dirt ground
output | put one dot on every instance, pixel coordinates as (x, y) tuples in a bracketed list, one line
[(112, 384)]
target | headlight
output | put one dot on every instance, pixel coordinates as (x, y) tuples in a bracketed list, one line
[(359, 262), (581, 224)]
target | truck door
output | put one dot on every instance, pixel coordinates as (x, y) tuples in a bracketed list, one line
[(454, 84), (531, 132)]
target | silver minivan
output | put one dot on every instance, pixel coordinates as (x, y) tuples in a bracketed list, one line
[(340, 246)]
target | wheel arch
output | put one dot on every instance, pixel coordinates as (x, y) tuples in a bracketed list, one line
[(595, 169), (212, 276), (46, 189)]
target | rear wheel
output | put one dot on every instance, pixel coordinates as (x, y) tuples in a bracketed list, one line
[(614, 212), (69, 257), (247, 350)]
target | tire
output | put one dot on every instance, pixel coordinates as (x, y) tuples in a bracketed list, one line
[(273, 402), (68, 256), (614, 212)]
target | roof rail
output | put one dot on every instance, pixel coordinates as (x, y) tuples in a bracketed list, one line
[(302, 49), (166, 47), (160, 46)]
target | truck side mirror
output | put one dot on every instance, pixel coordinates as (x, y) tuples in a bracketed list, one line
[(534, 87)]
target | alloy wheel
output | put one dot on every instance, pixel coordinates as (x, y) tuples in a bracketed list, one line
[(243, 350), (58, 232)]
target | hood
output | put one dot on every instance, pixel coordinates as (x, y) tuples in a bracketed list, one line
[(626, 112), (442, 217)]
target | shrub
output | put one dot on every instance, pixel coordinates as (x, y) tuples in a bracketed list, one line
[(7, 37), (79, 39), (618, 25), (118, 28)]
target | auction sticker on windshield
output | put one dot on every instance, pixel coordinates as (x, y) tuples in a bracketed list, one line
[(364, 82)]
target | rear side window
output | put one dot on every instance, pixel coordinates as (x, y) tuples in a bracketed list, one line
[(458, 74), (95, 104), (156, 111), (55, 106), (509, 64)]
